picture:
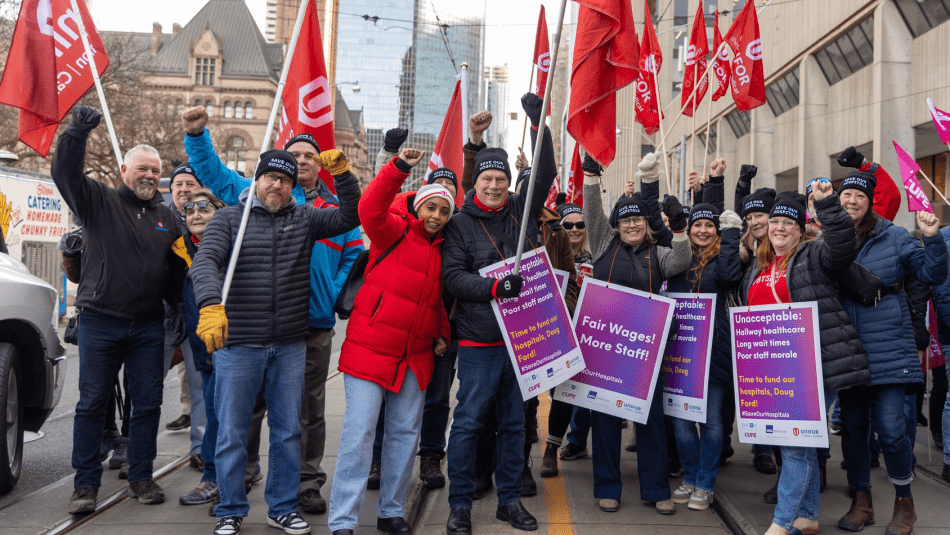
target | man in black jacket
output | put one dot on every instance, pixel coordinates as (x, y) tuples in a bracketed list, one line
[(128, 268), (267, 316), (483, 233)]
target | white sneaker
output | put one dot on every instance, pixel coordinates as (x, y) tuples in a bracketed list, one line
[(682, 494), (700, 500), (291, 523)]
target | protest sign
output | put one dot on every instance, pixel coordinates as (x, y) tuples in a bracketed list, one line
[(562, 277), (685, 369), (536, 326), (778, 380), (621, 349)]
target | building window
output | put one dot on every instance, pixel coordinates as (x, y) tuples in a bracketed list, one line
[(783, 94), (850, 53), (204, 71), (238, 110), (180, 107), (740, 121), (923, 15), (228, 110), (209, 105), (197, 102), (248, 110), (713, 135), (236, 155)]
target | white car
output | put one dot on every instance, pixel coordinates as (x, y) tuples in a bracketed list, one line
[(32, 361)]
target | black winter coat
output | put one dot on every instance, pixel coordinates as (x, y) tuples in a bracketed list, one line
[(811, 275), (128, 266), (269, 298), (468, 248)]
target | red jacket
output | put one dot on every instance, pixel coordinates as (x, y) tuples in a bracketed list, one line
[(887, 198), (398, 313)]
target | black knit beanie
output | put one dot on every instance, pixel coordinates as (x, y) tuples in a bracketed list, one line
[(861, 181), (493, 158), (761, 200), (632, 206), (790, 204), (704, 211)]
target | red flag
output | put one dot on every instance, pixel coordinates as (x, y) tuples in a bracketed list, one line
[(306, 97), (575, 179), (551, 201), (448, 147), (542, 55), (47, 69), (651, 59), (605, 60), (748, 73), (695, 65), (720, 63)]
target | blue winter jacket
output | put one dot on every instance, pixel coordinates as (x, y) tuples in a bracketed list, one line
[(942, 297), (886, 330), (331, 259)]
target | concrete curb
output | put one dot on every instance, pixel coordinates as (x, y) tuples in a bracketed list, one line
[(729, 510)]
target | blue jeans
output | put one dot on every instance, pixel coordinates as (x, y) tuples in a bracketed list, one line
[(652, 469), (105, 344), (198, 419), (435, 413), (210, 439), (486, 374), (885, 405), (240, 371), (580, 427), (798, 486), (836, 414), (403, 420), (699, 451), (910, 423)]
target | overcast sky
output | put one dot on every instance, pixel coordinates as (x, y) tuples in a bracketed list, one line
[(509, 33)]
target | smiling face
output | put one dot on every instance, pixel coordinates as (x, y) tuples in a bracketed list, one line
[(274, 190), (491, 188), (198, 216), (784, 234), (576, 235), (633, 230), (306, 167), (702, 232), (142, 174), (182, 186), (758, 224), (434, 214), (856, 202)]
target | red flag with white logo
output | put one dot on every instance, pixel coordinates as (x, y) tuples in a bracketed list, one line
[(605, 60), (448, 147), (47, 69), (651, 59), (542, 55), (551, 201), (695, 65), (748, 72), (575, 179), (720, 62), (306, 97)]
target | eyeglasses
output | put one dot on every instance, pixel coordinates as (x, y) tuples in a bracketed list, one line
[(570, 226), (782, 223), (270, 178), (635, 220), (201, 205)]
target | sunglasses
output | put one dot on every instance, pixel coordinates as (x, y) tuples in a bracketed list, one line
[(201, 205), (570, 226)]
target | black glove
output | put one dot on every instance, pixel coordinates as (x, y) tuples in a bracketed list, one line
[(85, 119), (509, 286), (532, 107), (747, 173), (178, 325), (590, 166), (851, 158), (674, 212), (395, 137)]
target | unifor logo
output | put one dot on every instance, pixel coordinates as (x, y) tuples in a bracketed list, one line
[(619, 403), (567, 364), (544, 62), (795, 431), (754, 50), (314, 103), (685, 406)]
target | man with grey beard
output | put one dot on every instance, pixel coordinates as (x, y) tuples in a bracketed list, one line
[(128, 269)]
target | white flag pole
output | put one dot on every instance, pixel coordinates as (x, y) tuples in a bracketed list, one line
[(463, 93), (536, 156), (232, 264), (95, 77)]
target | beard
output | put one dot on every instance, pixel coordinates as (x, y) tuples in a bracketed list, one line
[(273, 207)]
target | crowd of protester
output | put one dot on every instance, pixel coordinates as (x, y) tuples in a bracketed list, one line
[(154, 280)]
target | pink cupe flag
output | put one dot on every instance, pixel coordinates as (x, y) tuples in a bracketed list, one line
[(941, 121), (916, 198)]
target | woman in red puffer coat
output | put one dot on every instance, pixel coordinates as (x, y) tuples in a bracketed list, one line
[(397, 325)]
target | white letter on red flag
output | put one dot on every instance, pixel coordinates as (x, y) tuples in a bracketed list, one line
[(748, 73), (651, 59), (720, 63), (695, 59)]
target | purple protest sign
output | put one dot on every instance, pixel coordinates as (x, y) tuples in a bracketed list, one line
[(621, 349), (562, 277), (685, 369), (778, 380), (536, 326)]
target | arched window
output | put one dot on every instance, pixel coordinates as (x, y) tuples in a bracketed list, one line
[(228, 110), (238, 110), (197, 102), (209, 105), (236, 155), (248, 110)]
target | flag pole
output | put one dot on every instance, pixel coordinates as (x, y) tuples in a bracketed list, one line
[(692, 133), (524, 129), (718, 144), (708, 120), (232, 264), (659, 105), (934, 116), (99, 90), (934, 186), (536, 156)]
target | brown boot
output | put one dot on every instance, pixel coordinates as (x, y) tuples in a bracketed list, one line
[(861, 513), (549, 461), (904, 517)]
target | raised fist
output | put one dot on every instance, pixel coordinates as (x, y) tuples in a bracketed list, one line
[(718, 167), (747, 172), (649, 169), (395, 137), (411, 156), (477, 124), (590, 166), (629, 188), (929, 224), (695, 181), (674, 212), (532, 105), (85, 119), (333, 160), (194, 120), (850, 157)]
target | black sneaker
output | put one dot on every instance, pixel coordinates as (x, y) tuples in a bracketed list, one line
[(228, 526), (430, 471), (124, 471), (205, 492), (311, 502), (147, 491), (375, 471), (291, 523), (182, 422), (572, 452), (835, 428), (84, 500), (120, 453)]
